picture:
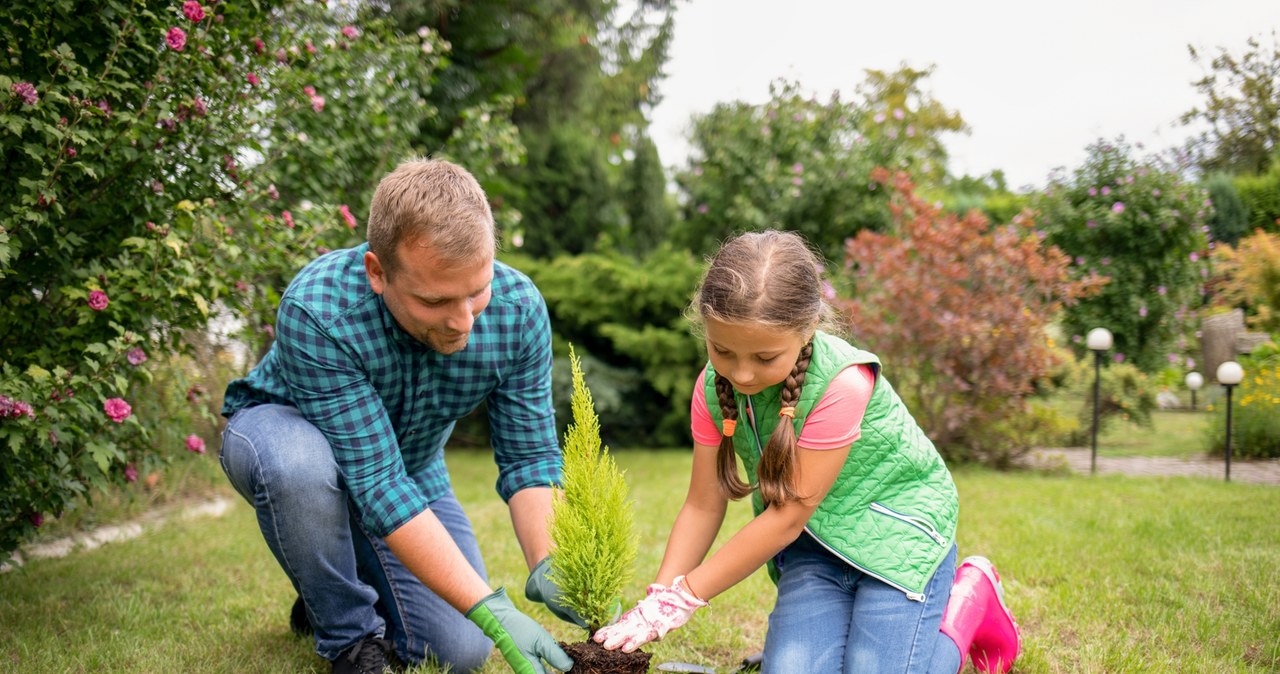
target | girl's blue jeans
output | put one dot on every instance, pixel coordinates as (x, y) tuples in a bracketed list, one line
[(833, 619), (352, 584)]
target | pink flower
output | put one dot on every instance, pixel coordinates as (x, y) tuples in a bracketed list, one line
[(131, 473), (1117, 207), (176, 38), (10, 408), (195, 444), (71, 152), (136, 356), (288, 219), (309, 90), (193, 11), (350, 32), (26, 91), (36, 519), (272, 191), (258, 45), (253, 79), (199, 106), (317, 103), (98, 300), (346, 215), (117, 409)]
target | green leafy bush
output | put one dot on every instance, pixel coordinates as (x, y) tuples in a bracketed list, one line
[(593, 539), (1137, 223), (1255, 419), (1261, 197), (1230, 219), (629, 312), (165, 164)]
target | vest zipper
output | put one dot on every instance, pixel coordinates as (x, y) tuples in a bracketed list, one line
[(917, 522), (913, 596)]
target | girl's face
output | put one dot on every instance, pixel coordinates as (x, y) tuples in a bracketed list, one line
[(751, 356)]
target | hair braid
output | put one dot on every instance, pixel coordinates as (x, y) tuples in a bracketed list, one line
[(777, 464), (726, 461)]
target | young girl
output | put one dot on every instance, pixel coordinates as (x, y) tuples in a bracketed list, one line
[(855, 512)]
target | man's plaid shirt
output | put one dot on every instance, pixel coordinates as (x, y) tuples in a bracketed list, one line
[(387, 403)]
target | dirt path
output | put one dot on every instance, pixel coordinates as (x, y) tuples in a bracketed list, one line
[(1265, 471)]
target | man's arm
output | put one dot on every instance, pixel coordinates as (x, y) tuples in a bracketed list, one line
[(425, 548), (530, 515)]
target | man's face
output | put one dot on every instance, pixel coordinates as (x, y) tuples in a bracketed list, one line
[(435, 301)]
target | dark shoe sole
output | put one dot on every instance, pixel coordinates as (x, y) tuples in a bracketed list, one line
[(299, 623)]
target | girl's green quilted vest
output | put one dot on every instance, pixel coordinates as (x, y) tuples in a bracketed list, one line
[(892, 511)]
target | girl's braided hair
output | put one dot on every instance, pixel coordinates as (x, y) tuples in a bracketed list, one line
[(771, 278)]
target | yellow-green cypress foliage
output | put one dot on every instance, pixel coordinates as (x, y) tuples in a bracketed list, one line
[(591, 528)]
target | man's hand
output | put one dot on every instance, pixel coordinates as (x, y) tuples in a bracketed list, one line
[(664, 609), (541, 588), (522, 642)]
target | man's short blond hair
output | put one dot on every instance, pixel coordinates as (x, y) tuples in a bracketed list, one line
[(433, 203)]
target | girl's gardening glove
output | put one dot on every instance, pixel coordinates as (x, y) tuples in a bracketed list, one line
[(522, 642), (664, 609)]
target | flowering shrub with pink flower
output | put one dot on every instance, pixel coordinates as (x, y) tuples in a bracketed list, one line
[(1135, 221), (164, 164)]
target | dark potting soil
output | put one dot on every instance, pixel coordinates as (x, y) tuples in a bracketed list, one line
[(590, 657)]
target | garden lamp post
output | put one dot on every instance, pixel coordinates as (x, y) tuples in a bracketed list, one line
[(1098, 341), (1229, 374), (1194, 382)]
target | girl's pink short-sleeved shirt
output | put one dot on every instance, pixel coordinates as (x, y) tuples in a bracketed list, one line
[(835, 421)]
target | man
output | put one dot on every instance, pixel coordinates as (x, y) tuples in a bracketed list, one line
[(337, 436)]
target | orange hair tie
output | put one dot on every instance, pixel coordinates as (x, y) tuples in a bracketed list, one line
[(787, 412), (730, 425)]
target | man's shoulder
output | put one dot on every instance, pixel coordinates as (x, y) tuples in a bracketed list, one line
[(330, 285), (512, 286)]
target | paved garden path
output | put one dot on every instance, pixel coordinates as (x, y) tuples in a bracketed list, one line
[(1266, 471)]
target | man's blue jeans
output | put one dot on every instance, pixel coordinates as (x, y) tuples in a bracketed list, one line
[(833, 619), (351, 582)]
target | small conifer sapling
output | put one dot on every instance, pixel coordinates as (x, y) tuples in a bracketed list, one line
[(592, 533)]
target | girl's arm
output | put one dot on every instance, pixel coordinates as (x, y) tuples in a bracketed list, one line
[(764, 536), (699, 520)]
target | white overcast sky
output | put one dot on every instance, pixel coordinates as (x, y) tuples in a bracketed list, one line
[(1037, 81)]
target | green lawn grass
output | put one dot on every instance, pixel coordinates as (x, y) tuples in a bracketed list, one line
[(1173, 433), (1105, 574)]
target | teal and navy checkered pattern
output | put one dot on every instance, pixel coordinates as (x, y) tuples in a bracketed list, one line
[(388, 403)]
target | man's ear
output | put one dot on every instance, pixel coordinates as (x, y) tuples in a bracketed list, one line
[(376, 273)]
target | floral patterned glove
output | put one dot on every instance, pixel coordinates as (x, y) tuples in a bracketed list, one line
[(662, 610)]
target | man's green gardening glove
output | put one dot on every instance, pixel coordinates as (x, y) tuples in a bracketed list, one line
[(541, 588), (521, 641)]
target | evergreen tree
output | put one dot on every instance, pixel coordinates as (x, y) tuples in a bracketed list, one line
[(644, 194), (591, 528)]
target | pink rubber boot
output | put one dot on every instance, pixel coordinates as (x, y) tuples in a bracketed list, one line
[(977, 619)]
